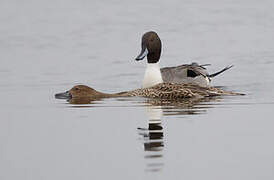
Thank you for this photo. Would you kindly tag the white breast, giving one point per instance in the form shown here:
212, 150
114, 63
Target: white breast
152, 75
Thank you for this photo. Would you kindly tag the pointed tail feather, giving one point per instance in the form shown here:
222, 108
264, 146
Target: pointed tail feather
219, 72
203, 65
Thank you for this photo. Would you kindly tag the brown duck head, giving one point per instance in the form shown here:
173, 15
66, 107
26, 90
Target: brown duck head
151, 47
80, 91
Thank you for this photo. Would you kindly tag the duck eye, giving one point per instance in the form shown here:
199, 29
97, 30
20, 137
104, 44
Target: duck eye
77, 89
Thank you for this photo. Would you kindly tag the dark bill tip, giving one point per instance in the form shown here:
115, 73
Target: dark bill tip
142, 55
138, 58
64, 95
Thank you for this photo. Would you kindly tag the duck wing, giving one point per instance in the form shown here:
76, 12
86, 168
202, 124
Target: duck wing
180, 73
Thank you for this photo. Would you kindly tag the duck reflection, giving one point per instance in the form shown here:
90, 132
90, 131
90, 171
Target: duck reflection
153, 138
83, 100
153, 134
190, 106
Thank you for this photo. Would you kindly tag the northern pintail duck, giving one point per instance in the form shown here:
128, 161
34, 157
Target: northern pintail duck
186, 73
169, 91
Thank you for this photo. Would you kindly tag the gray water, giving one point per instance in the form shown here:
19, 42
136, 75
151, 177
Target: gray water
47, 47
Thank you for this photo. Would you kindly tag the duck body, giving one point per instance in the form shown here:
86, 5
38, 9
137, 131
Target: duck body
167, 91
175, 91
186, 73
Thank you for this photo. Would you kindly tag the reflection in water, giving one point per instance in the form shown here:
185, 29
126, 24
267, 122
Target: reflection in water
186, 106
153, 135
83, 100
153, 139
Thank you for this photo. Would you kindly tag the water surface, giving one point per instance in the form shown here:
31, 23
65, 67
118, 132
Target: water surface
46, 47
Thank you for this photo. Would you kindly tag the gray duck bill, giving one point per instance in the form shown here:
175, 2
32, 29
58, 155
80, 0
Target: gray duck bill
142, 55
64, 95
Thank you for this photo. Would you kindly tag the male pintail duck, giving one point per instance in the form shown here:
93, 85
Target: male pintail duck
186, 73
169, 91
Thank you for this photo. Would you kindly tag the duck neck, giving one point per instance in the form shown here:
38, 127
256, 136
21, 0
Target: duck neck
119, 94
153, 75
97, 94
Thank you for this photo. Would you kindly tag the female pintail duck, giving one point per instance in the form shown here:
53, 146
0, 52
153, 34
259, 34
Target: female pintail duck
169, 91
186, 73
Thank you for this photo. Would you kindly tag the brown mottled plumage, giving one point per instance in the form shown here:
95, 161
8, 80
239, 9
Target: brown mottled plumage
179, 91
170, 91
